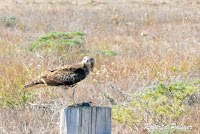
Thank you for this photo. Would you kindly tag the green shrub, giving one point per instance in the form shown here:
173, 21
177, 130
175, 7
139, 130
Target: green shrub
58, 40
160, 104
109, 52
8, 21
105, 52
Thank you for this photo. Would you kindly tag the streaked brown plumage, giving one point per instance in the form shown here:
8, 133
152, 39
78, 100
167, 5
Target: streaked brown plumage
65, 76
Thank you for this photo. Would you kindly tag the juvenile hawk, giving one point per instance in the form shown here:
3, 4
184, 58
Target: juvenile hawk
65, 77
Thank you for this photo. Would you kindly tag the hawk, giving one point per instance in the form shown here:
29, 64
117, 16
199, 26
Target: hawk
64, 77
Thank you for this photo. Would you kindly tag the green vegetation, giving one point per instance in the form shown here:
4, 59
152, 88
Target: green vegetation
14, 98
8, 21
161, 104
109, 52
106, 52
103, 50
59, 40
135, 44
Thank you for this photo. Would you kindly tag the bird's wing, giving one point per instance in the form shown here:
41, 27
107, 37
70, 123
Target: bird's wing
61, 74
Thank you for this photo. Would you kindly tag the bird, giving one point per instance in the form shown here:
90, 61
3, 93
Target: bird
65, 77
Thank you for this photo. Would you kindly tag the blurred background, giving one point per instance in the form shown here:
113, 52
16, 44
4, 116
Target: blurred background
147, 56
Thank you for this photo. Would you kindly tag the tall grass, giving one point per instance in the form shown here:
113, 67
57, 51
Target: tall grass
136, 44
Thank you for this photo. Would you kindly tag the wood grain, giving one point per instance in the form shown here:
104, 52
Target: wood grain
86, 120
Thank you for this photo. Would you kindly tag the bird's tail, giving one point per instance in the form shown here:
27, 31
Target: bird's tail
35, 83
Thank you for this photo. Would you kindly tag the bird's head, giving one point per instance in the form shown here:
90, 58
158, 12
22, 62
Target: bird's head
89, 62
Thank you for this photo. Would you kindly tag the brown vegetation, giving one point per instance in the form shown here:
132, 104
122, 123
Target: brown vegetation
154, 41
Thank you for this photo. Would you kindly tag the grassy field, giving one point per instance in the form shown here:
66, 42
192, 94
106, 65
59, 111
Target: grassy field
137, 44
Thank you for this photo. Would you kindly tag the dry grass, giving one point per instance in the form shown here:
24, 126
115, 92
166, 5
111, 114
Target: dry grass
155, 41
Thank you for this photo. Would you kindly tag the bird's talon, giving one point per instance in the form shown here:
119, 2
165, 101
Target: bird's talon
81, 104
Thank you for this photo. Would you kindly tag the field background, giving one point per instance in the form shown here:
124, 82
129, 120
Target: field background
136, 44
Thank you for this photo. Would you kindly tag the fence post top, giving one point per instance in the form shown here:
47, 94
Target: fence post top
89, 107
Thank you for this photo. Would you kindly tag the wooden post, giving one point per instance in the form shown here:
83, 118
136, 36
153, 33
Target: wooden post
86, 120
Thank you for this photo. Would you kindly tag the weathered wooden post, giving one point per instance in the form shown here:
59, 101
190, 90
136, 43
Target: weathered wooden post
86, 120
